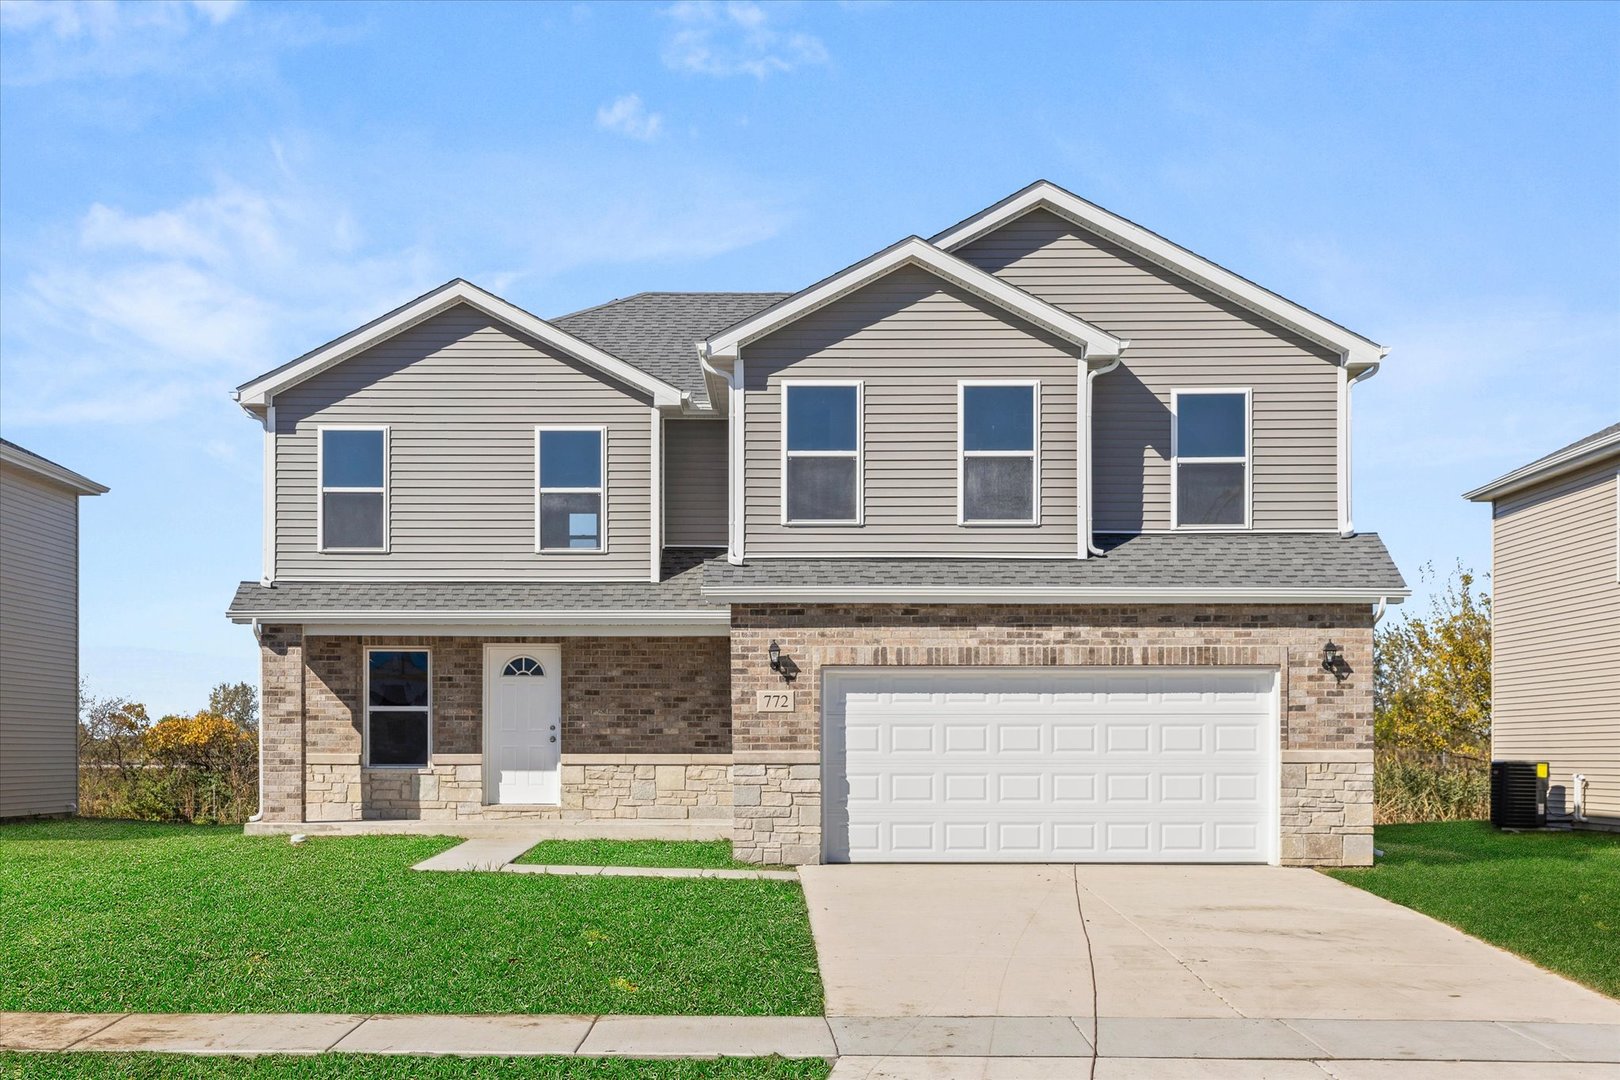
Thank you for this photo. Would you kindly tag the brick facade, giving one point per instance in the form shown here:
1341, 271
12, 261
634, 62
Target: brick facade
634, 710
666, 727
1326, 724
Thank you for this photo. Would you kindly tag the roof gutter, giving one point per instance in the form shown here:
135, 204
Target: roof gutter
1038, 594
503, 618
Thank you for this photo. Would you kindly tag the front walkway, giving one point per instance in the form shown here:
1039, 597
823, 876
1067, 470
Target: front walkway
1171, 944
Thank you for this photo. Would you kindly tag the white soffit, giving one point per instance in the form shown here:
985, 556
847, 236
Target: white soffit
1355, 350
1097, 344
257, 393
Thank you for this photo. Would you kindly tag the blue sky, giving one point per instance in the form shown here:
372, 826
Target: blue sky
192, 193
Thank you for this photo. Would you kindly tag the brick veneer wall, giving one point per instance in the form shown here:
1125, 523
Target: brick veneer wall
648, 697
1324, 721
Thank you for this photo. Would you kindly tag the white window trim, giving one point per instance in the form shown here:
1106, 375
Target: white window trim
1247, 460
601, 525
962, 454
321, 489
859, 453
365, 689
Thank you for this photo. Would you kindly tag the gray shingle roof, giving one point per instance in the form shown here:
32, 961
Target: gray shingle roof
658, 331
1577, 454
1211, 565
679, 591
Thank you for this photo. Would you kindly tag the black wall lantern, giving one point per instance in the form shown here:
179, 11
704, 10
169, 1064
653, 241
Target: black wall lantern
1334, 663
782, 665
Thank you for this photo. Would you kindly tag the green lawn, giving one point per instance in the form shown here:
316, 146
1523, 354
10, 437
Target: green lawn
1553, 898
701, 854
103, 916
95, 1066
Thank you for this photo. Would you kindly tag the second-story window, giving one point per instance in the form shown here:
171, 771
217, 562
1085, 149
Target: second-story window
353, 513
571, 489
821, 453
998, 477
1210, 459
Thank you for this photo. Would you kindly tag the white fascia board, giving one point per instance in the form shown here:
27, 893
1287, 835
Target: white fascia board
1356, 352
1028, 594
257, 394
1576, 457
401, 618
525, 629
1097, 344
50, 470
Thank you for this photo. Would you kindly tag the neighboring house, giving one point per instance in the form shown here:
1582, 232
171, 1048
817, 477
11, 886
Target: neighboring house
1555, 621
39, 633
1029, 542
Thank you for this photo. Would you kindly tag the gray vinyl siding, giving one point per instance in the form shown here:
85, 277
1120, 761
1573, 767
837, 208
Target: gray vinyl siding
909, 336
1556, 631
462, 395
39, 645
695, 462
1180, 336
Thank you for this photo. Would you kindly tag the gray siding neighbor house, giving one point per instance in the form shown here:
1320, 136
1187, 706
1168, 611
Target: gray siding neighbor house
39, 633
1555, 622
1031, 541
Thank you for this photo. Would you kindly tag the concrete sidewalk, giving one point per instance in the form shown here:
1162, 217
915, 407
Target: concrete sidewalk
886, 1046
496, 853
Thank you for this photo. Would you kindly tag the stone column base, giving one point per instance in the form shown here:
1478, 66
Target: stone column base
1327, 807
776, 807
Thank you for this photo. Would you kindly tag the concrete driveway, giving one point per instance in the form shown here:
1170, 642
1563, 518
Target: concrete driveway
939, 972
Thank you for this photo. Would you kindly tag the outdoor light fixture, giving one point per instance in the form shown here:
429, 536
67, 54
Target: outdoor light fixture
782, 665
1333, 661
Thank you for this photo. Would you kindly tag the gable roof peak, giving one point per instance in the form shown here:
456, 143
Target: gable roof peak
1356, 352
256, 394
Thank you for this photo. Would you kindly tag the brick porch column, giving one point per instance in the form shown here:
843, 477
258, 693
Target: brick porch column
281, 723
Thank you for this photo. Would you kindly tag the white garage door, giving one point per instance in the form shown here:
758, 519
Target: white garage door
1050, 765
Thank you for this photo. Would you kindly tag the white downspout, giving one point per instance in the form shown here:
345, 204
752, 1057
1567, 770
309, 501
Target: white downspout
1348, 526
1378, 611
1091, 465
1577, 797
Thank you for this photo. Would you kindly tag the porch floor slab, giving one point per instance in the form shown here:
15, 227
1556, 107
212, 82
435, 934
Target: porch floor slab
586, 829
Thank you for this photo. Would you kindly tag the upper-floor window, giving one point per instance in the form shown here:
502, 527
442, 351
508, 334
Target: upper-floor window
998, 430
571, 489
353, 466
821, 453
1209, 448
399, 694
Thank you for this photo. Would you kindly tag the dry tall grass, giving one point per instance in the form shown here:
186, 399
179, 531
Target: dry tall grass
1413, 785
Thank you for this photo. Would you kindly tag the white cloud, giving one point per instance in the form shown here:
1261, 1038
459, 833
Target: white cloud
627, 115
103, 19
736, 38
140, 316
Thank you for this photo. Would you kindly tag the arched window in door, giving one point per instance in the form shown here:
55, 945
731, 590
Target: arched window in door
523, 665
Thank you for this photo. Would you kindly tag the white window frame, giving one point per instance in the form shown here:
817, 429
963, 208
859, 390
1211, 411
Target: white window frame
859, 453
962, 454
321, 489
602, 525
1247, 460
365, 690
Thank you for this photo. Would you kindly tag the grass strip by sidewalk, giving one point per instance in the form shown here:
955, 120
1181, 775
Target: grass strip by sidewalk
688, 854
116, 917
1551, 897
101, 1066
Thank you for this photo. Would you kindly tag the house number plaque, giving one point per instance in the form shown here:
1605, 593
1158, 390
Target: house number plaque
773, 700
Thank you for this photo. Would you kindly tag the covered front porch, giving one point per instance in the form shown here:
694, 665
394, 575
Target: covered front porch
477, 728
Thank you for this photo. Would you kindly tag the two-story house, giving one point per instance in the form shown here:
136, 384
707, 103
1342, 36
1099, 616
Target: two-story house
1028, 542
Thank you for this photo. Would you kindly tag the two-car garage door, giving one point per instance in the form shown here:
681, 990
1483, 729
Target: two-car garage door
1050, 765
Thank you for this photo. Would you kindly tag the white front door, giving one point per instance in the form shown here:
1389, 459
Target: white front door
523, 724
1050, 765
